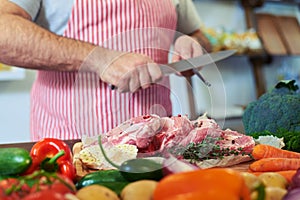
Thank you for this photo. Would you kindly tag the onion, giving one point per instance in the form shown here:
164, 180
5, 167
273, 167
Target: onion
294, 188
172, 165
295, 183
293, 194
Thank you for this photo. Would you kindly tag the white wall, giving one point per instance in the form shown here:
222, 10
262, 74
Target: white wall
14, 109
232, 80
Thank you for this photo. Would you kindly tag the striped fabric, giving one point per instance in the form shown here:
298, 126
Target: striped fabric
67, 105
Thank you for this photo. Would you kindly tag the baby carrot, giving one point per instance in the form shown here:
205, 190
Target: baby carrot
266, 151
287, 174
275, 164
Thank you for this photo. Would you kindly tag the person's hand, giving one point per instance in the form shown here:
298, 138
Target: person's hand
130, 72
186, 47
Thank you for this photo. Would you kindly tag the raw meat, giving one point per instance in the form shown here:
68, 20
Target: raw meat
152, 134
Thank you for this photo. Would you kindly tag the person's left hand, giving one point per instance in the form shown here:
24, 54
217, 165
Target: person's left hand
186, 47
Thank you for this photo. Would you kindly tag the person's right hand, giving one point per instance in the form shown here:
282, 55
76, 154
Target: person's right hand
130, 71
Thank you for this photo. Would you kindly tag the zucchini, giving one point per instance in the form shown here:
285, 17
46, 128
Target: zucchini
14, 161
111, 179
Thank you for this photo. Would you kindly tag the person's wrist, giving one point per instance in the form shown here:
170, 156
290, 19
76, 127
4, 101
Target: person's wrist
204, 42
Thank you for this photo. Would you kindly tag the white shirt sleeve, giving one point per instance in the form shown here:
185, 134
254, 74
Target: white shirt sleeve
30, 6
188, 19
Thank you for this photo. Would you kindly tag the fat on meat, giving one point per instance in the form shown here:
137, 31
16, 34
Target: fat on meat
138, 131
203, 127
151, 133
235, 140
174, 130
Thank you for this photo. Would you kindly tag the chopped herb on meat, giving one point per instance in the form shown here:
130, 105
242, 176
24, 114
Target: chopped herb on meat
207, 150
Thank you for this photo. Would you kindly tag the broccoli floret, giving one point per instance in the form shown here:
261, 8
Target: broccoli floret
278, 109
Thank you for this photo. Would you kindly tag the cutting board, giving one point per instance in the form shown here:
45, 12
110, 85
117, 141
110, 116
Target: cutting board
81, 170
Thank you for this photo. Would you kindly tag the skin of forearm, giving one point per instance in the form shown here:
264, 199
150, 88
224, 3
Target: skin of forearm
202, 39
27, 45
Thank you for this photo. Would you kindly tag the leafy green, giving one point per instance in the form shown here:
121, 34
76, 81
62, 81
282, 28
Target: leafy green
290, 138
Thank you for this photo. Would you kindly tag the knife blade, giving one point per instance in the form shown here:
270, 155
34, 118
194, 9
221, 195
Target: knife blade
195, 62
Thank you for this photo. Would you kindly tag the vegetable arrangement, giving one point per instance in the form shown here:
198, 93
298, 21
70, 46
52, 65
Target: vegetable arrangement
45, 172
39, 174
277, 168
272, 159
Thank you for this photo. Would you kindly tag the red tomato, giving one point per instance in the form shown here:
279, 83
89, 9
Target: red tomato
9, 183
55, 185
45, 195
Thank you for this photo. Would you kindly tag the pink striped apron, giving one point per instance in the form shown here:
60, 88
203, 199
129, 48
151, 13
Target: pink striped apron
67, 105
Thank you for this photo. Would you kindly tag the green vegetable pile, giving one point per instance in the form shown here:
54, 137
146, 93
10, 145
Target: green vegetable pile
277, 113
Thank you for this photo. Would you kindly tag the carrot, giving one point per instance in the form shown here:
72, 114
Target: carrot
275, 164
266, 151
288, 174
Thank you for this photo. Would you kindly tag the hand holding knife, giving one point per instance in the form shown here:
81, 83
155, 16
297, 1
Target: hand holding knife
193, 64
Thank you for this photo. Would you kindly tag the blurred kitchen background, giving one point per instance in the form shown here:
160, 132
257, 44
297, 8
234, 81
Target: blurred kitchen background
235, 81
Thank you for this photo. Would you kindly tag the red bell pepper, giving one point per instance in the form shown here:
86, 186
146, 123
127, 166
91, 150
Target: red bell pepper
52, 155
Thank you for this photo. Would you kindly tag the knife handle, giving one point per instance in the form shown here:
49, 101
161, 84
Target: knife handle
201, 77
112, 87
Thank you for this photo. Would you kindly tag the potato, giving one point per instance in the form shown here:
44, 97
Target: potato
254, 195
70, 196
273, 179
96, 192
275, 193
139, 190
251, 180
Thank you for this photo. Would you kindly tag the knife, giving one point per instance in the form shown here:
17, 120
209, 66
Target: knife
195, 62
